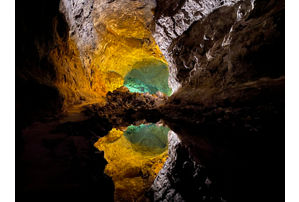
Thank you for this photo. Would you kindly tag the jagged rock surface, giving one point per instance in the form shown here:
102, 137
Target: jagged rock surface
53, 165
50, 75
123, 107
78, 14
228, 56
233, 45
172, 19
182, 178
229, 111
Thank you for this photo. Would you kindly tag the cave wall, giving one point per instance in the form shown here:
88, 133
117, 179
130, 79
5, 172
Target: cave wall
50, 75
52, 162
70, 52
79, 17
213, 39
182, 178
112, 38
35, 75
172, 19
73, 52
124, 40
235, 49
226, 65
227, 69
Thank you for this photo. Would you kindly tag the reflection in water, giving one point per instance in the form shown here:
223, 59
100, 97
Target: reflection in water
134, 157
147, 138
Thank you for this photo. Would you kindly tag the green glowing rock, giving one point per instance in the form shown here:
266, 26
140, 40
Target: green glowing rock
148, 77
148, 137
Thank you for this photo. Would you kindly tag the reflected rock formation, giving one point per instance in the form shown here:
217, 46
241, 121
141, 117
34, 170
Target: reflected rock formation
96, 79
134, 157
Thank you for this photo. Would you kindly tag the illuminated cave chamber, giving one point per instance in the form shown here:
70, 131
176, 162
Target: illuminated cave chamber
126, 53
134, 157
148, 77
227, 58
116, 47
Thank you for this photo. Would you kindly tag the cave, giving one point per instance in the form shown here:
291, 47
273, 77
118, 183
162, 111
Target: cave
148, 77
150, 100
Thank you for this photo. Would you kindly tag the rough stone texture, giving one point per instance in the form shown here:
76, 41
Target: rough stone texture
236, 134
229, 112
162, 183
123, 107
60, 165
124, 40
36, 96
50, 75
228, 56
182, 178
173, 18
236, 47
78, 14
111, 36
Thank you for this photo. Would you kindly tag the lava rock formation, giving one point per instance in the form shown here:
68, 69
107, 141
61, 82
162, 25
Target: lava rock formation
226, 112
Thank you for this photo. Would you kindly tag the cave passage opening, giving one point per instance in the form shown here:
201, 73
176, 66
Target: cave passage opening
148, 76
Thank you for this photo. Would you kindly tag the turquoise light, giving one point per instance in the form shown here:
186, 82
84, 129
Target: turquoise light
150, 136
148, 77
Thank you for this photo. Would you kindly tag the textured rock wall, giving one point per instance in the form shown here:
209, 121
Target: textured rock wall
54, 163
50, 74
79, 50
238, 47
78, 14
172, 19
73, 79
227, 56
135, 107
229, 110
111, 36
203, 36
36, 94
124, 40
182, 178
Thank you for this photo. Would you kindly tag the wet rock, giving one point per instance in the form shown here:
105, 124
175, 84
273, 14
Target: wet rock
124, 108
176, 181
227, 68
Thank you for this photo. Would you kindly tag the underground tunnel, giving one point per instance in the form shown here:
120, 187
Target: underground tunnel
151, 78
150, 100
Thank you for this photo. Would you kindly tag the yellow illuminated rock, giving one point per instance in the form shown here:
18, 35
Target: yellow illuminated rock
124, 40
73, 80
132, 171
